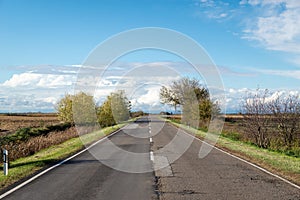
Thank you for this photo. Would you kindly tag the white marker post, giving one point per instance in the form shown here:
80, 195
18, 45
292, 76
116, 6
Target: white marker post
5, 162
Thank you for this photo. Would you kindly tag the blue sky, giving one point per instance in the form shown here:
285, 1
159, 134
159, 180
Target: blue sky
253, 42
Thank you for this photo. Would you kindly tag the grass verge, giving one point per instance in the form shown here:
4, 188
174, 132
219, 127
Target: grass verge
275, 162
24, 167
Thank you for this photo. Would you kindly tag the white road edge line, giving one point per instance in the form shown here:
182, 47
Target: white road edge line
151, 156
55, 166
245, 161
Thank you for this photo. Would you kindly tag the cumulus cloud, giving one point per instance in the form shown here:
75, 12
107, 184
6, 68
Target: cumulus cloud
151, 97
40, 88
146, 98
35, 91
37, 88
237, 96
39, 80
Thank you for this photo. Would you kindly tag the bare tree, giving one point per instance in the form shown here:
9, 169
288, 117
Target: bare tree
167, 96
286, 111
256, 118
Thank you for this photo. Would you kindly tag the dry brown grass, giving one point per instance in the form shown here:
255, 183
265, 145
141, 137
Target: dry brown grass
35, 144
11, 123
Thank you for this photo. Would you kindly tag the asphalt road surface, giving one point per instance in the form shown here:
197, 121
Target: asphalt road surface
85, 178
217, 176
180, 174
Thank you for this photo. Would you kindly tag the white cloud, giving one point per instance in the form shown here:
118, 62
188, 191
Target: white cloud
28, 91
288, 3
274, 96
243, 2
276, 26
270, 96
222, 15
235, 97
237, 91
51, 100
217, 10
147, 99
151, 97
286, 73
30, 79
39, 88
25, 79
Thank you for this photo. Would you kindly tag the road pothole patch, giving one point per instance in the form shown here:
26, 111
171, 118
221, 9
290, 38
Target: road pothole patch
162, 166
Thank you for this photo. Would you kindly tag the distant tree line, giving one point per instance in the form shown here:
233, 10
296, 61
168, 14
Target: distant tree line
272, 122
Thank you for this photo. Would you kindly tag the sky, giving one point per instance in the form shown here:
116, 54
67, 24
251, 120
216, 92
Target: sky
43, 45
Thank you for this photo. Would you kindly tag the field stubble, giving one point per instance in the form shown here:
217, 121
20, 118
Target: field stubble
11, 123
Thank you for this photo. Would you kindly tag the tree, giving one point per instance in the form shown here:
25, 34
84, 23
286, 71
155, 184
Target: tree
79, 108
105, 114
115, 109
187, 89
271, 119
207, 109
84, 109
167, 96
191, 96
64, 108
256, 117
120, 106
286, 111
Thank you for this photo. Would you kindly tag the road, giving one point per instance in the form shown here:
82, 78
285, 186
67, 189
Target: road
129, 176
84, 177
217, 176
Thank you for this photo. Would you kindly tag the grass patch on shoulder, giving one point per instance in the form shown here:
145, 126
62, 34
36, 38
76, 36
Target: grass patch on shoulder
27, 166
276, 162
